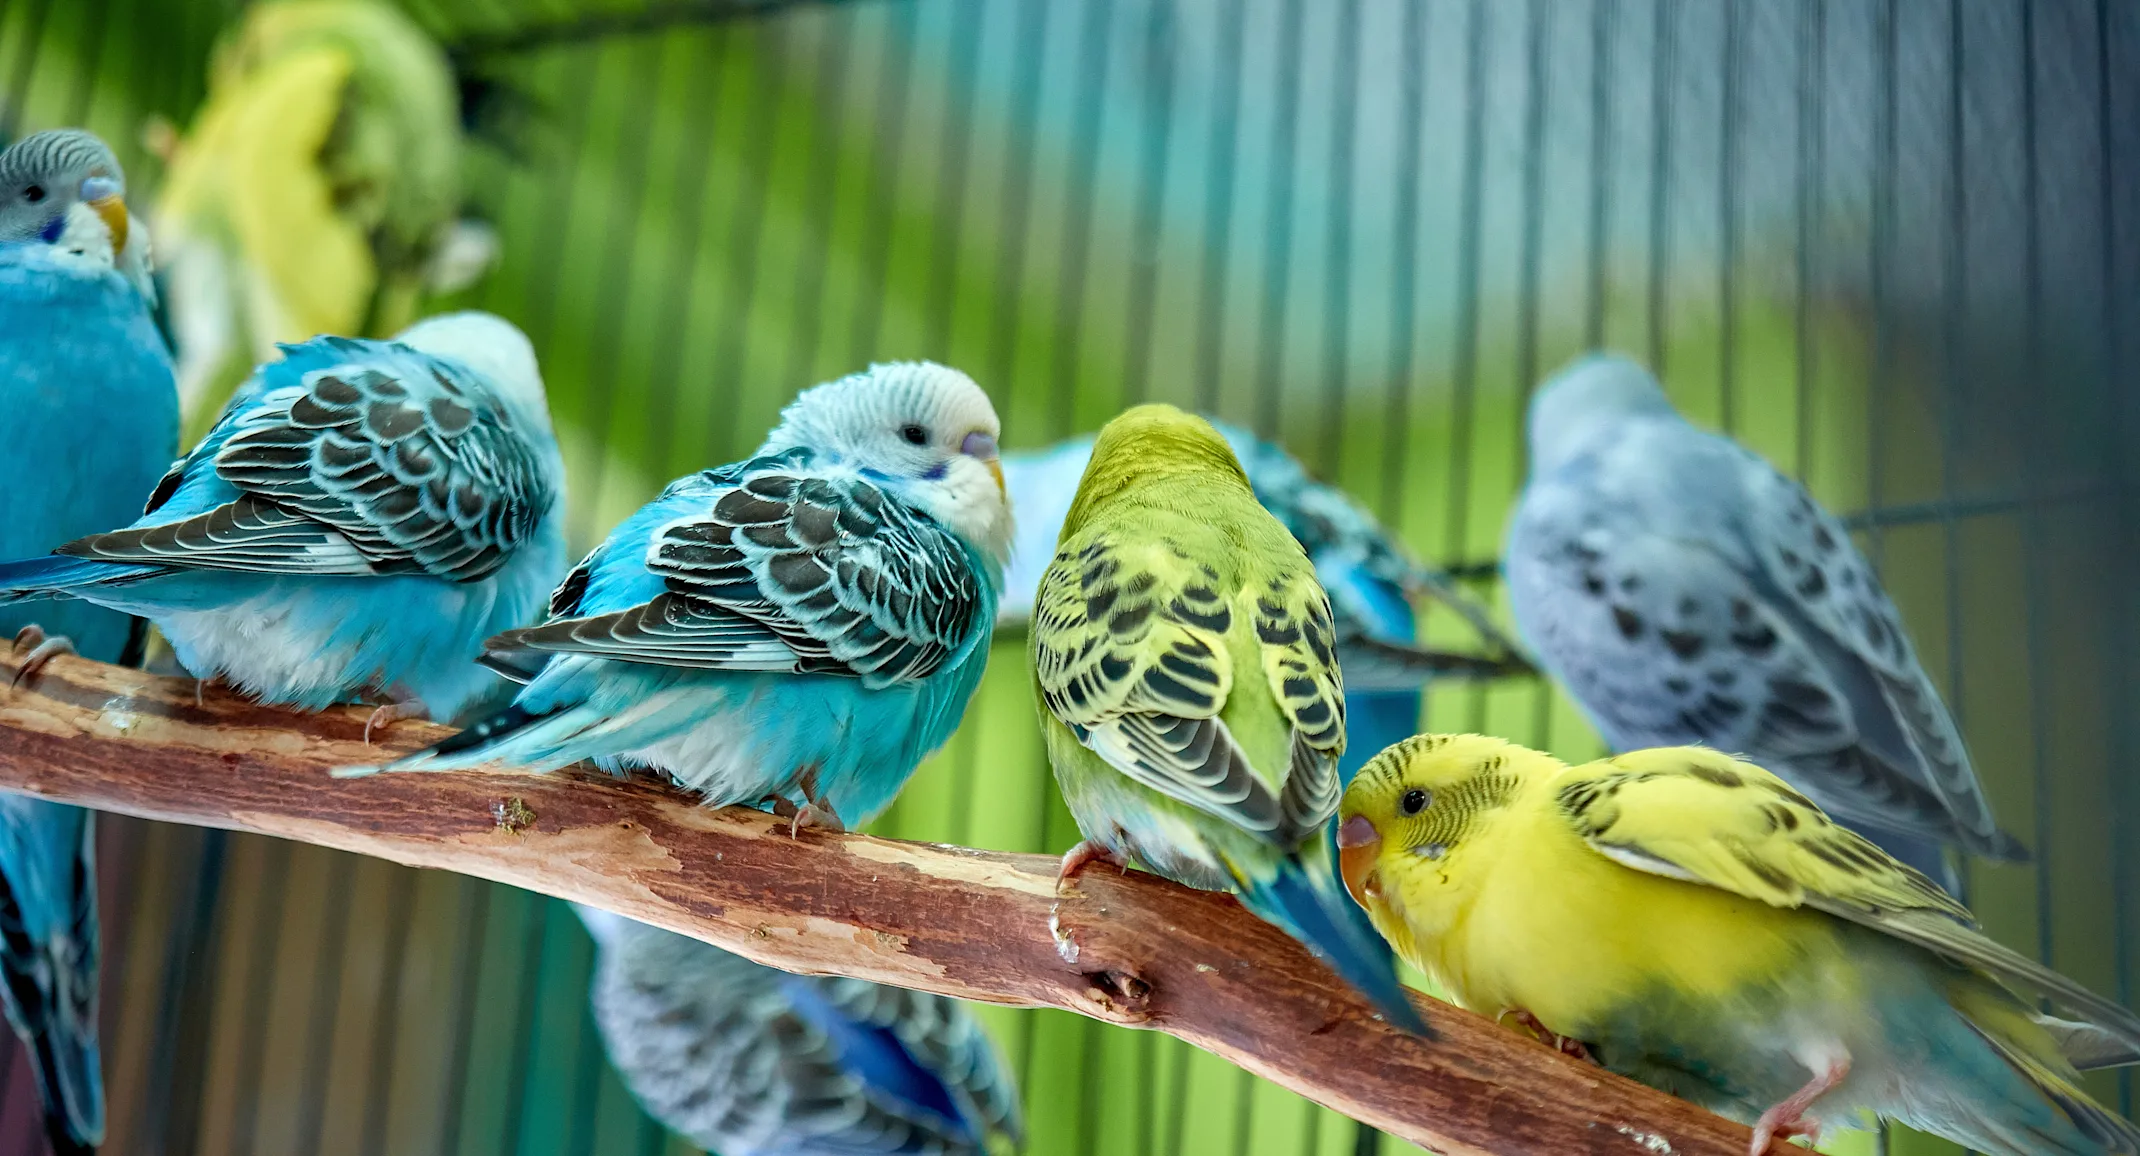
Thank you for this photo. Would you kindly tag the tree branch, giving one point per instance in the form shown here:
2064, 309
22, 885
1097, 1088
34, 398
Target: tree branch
1132, 950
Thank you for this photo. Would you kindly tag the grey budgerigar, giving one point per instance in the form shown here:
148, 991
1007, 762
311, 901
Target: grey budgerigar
747, 1060
1685, 591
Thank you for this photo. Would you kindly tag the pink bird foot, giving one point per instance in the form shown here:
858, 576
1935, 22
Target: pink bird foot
403, 706
814, 812
43, 649
1788, 1119
1084, 855
1566, 1045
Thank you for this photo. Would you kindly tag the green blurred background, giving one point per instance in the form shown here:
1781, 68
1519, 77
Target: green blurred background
1889, 244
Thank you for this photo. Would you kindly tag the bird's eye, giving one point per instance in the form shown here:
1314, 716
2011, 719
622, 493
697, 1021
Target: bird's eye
1414, 801
915, 435
34, 193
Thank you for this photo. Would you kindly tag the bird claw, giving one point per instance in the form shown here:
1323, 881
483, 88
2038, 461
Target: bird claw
1768, 1132
1565, 1045
1788, 1119
1084, 855
814, 814
392, 713
43, 649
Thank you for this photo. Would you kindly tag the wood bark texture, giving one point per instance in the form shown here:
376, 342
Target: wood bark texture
1127, 949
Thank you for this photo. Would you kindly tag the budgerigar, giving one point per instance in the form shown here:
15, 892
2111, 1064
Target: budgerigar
92, 415
313, 189
1688, 919
1685, 591
797, 630
1371, 577
745, 1060
362, 517
1189, 691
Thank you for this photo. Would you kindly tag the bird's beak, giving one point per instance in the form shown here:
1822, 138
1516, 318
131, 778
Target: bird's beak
102, 195
1359, 848
982, 446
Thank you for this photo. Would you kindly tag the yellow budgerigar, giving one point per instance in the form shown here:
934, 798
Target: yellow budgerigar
1688, 919
1190, 696
313, 190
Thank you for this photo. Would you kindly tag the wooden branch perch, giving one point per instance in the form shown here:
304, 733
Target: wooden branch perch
1131, 950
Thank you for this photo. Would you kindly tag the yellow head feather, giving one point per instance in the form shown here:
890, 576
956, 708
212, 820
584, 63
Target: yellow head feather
1421, 798
1147, 444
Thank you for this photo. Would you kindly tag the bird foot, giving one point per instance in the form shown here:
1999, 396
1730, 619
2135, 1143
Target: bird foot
1084, 855
43, 649
815, 815
392, 713
1567, 1046
810, 814
1787, 1120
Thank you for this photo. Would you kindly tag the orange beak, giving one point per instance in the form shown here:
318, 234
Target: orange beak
995, 470
1359, 849
113, 211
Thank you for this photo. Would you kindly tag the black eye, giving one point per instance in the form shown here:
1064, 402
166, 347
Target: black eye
914, 434
1414, 801
34, 193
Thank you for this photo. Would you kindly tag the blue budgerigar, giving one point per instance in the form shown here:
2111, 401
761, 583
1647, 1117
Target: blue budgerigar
746, 1060
797, 630
1686, 592
361, 518
92, 413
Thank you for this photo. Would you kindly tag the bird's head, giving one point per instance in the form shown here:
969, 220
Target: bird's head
1587, 400
1411, 809
65, 188
924, 429
1151, 444
493, 347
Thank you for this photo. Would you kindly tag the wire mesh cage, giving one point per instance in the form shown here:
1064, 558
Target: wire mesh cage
1889, 245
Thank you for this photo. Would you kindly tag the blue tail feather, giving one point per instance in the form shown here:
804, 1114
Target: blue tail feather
1304, 899
57, 574
468, 747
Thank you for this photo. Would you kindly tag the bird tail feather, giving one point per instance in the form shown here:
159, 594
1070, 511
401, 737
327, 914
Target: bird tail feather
50, 999
72, 1088
56, 574
1305, 899
472, 747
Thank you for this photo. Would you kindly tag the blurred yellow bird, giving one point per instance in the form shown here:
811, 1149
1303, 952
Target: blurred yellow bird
1689, 920
313, 189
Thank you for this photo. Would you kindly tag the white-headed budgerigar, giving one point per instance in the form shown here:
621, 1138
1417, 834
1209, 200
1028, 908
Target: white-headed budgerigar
1690, 920
361, 518
1686, 592
797, 630
1190, 697
92, 414
313, 189
746, 1060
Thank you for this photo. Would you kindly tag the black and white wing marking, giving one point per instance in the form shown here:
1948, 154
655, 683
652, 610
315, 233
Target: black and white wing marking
791, 572
1814, 574
1666, 641
386, 466
1130, 651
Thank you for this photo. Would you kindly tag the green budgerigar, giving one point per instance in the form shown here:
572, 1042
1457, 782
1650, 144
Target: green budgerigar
1189, 692
316, 190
